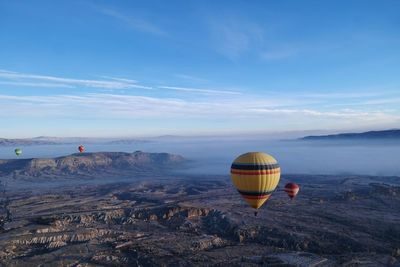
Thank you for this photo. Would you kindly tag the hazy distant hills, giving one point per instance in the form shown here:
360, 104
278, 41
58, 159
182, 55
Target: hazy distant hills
48, 140
24, 142
89, 163
371, 135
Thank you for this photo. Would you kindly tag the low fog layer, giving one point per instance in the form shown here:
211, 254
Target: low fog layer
214, 155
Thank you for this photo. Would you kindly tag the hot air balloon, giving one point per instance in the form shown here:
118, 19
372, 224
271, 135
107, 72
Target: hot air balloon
255, 175
18, 151
291, 189
81, 148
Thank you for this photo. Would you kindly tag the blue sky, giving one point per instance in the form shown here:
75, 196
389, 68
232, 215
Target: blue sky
138, 68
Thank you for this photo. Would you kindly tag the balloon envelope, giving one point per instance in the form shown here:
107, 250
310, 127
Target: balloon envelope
18, 151
255, 175
292, 189
81, 148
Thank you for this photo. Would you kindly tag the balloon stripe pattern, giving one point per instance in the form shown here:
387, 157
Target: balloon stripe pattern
255, 175
291, 189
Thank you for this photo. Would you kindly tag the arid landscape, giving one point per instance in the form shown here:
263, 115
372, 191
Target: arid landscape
160, 218
199, 133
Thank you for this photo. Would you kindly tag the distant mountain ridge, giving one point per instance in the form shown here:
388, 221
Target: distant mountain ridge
25, 142
89, 163
47, 140
371, 135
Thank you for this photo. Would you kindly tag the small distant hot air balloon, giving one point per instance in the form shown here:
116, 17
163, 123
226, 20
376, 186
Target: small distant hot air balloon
18, 151
292, 189
255, 176
81, 148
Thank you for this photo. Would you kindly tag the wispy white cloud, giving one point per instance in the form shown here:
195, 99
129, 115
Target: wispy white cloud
189, 77
359, 99
113, 83
24, 79
342, 95
131, 21
202, 91
235, 36
344, 113
111, 106
275, 109
37, 84
382, 101
120, 79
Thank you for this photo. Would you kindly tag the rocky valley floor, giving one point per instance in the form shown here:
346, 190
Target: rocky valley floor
202, 221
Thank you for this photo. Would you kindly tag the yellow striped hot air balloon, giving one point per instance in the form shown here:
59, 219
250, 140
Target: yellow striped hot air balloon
255, 175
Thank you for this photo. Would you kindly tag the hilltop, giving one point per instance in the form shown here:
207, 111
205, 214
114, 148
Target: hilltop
88, 164
371, 135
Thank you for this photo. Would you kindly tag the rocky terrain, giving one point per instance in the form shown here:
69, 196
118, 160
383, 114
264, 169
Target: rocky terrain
202, 221
87, 164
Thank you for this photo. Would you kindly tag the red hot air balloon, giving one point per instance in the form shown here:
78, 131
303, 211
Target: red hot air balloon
291, 189
81, 148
